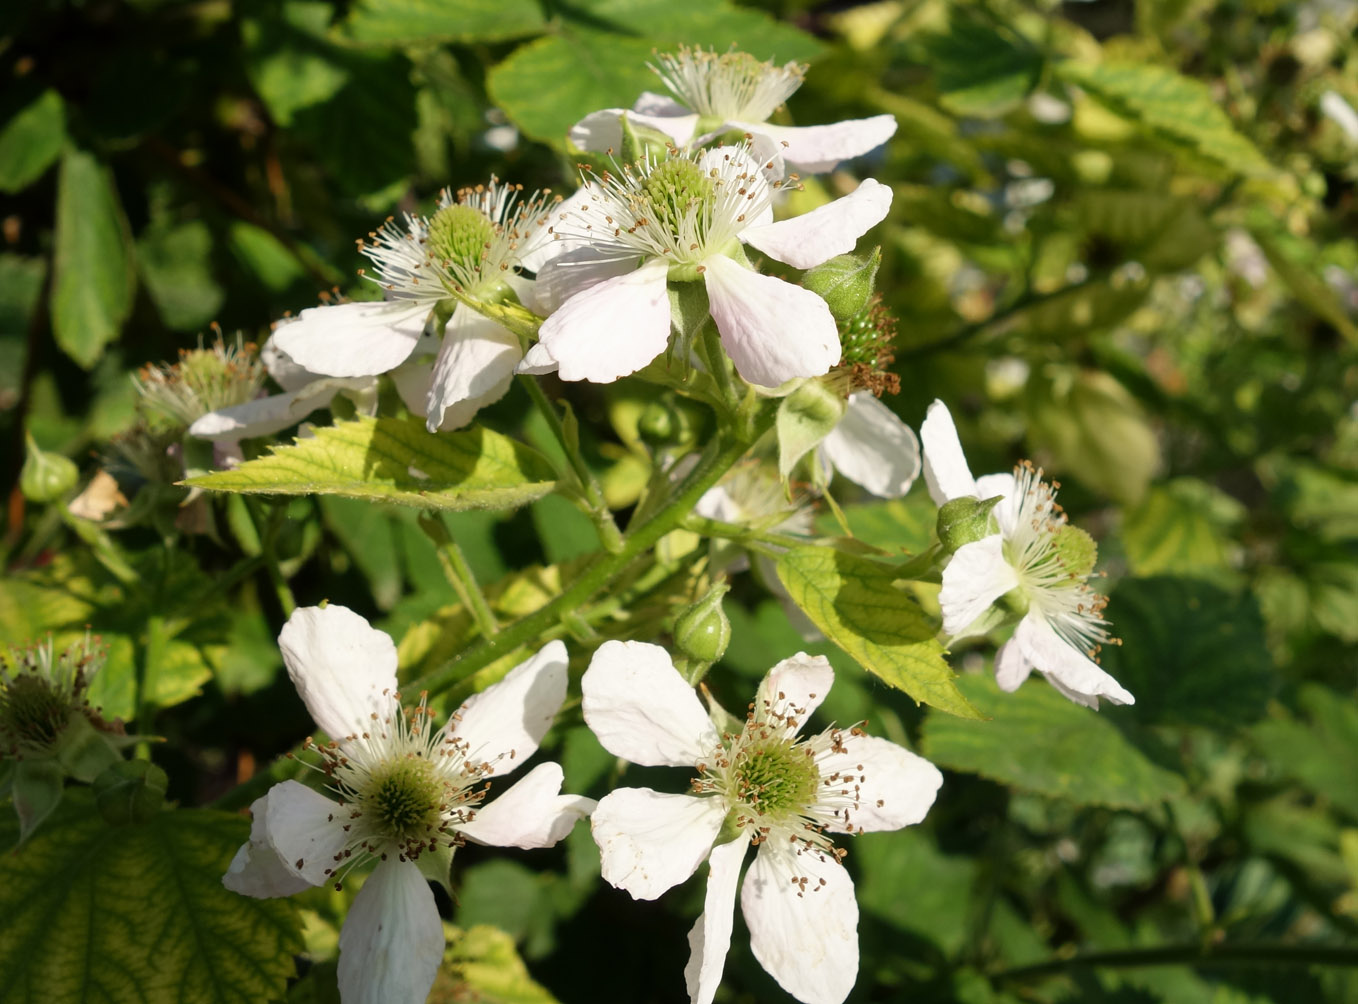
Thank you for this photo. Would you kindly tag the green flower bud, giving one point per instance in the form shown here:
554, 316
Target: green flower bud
964, 521
131, 791
45, 476
845, 282
702, 632
658, 422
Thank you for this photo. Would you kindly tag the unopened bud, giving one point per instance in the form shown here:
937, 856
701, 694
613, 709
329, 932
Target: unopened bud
45, 476
845, 282
702, 632
964, 521
131, 791
658, 422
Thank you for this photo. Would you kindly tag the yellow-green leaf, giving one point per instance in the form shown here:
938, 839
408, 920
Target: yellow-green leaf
31, 141
855, 602
390, 460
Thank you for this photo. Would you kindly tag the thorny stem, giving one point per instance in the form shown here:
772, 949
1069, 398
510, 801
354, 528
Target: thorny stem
597, 510
459, 573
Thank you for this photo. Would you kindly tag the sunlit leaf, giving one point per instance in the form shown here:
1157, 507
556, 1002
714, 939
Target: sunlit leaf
407, 22
1181, 527
31, 141
1318, 749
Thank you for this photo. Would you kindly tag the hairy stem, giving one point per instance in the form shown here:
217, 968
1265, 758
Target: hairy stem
459, 573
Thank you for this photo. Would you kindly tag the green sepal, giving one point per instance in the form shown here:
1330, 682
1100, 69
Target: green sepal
36, 790
83, 750
45, 477
966, 520
845, 282
640, 141
805, 417
436, 865
131, 791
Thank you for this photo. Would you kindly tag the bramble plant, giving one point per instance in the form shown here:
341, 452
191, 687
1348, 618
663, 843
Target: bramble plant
341, 651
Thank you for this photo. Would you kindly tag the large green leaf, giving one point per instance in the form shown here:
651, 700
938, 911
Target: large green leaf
389, 460
94, 275
980, 71
289, 60
1192, 652
1163, 231
1039, 741
855, 602
1170, 105
1181, 527
421, 22
176, 264
137, 913
936, 909
598, 58
1319, 750
482, 965
31, 141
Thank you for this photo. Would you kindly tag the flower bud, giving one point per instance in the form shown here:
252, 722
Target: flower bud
131, 791
964, 521
45, 476
844, 282
702, 632
658, 422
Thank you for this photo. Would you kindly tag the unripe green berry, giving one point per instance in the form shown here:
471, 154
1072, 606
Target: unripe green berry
46, 477
658, 422
1077, 550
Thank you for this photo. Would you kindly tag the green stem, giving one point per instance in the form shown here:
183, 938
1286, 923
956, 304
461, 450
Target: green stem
459, 573
721, 454
717, 364
1194, 955
597, 507
268, 534
745, 535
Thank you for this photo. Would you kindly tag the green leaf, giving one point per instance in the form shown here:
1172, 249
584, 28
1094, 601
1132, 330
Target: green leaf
1317, 750
905, 525
936, 909
485, 967
430, 22
176, 263
390, 460
855, 602
264, 255
1182, 528
138, 914
1041, 742
94, 273
1294, 261
1172, 106
1163, 232
1095, 429
31, 141
598, 59
290, 62
981, 72
1192, 652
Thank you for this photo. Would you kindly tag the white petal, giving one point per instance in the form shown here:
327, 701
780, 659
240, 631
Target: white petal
641, 709
651, 103
1070, 670
257, 869
894, 787
342, 667
266, 415
545, 242
804, 935
602, 131
710, 938
793, 689
391, 944
872, 447
976, 577
945, 465
1006, 511
412, 383
504, 723
772, 330
613, 328
815, 237
537, 361
281, 366
354, 339
475, 367
305, 829
1011, 668
717, 503
530, 813
650, 842
576, 271
814, 149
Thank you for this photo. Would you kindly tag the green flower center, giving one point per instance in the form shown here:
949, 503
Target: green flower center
674, 189
774, 777
403, 798
1076, 549
459, 236
32, 711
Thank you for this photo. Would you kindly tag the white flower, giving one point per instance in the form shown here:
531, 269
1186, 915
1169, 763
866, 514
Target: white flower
684, 218
733, 91
476, 244
872, 447
407, 794
1063, 627
303, 393
763, 786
